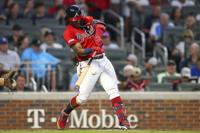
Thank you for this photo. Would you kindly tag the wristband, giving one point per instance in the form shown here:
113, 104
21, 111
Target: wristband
87, 51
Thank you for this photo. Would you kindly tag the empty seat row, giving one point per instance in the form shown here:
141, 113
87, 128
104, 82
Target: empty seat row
167, 87
187, 10
173, 35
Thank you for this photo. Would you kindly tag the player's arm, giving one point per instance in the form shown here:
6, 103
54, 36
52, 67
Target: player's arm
75, 44
81, 51
99, 30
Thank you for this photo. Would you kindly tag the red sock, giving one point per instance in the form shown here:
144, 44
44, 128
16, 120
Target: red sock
71, 105
73, 102
116, 100
119, 109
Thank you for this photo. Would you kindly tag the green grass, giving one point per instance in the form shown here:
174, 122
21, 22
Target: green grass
92, 131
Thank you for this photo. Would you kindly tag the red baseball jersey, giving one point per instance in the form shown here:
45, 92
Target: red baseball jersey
73, 35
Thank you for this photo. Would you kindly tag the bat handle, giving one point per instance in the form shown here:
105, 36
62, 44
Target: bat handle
78, 82
93, 55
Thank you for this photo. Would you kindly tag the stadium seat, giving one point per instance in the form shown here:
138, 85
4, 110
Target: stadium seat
191, 10
158, 70
58, 29
146, 77
31, 30
172, 36
49, 22
167, 9
21, 2
2, 22
64, 54
23, 22
164, 87
147, 10
5, 30
115, 54
118, 65
196, 33
152, 79
171, 79
63, 77
47, 3
189, 87
98, 87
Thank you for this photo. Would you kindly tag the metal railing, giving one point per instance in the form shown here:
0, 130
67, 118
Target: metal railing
120, 30
45, 83
161, 52
142, 46
40, 76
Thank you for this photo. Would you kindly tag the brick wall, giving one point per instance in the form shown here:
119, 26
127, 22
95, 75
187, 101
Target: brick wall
152, 113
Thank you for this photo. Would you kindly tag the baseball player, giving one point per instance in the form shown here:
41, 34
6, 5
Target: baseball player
83, 35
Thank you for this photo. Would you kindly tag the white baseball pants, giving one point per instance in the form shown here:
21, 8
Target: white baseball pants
103, 70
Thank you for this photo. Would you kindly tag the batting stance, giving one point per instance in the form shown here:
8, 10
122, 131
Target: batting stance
83, 35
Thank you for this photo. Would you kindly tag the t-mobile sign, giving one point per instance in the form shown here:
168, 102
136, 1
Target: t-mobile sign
82, 119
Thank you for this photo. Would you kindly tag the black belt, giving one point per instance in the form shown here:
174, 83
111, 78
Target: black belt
96, 57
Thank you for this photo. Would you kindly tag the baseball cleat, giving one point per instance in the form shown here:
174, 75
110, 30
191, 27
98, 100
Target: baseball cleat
121, 113
124, 125
62, 120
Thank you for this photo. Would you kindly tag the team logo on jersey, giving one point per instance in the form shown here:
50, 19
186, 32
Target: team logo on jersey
88, 33
80, 37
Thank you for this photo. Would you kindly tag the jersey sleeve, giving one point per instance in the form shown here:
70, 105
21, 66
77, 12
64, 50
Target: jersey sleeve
70, 38
100, 29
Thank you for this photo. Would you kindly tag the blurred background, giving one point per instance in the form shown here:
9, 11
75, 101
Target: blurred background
153, 44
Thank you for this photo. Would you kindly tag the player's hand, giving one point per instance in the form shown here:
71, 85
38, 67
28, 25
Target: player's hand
87, 20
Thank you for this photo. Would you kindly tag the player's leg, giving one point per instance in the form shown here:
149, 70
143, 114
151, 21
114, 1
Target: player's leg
84, 91
109, 76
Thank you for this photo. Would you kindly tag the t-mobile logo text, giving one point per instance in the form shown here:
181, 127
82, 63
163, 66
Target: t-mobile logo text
36, 116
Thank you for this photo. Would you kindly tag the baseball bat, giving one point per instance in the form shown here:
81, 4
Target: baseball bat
84, 72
